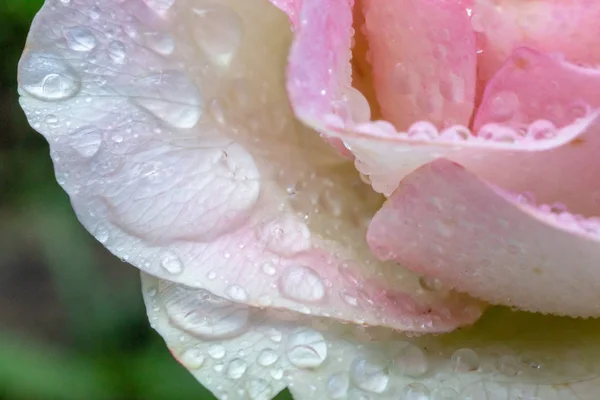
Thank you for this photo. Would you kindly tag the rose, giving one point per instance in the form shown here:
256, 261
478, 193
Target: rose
170, 130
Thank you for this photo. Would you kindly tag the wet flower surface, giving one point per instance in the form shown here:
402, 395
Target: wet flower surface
306, 185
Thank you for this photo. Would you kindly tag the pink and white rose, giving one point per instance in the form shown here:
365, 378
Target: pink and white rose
311, 187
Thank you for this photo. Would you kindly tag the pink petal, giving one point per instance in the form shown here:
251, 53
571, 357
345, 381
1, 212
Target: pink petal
444, 222
171, 132
552, 26
423, 56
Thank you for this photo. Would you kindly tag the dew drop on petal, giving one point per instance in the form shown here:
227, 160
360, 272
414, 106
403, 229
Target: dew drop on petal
301, 283
337, 385
236, 368
444, 393
410, 360
204, 315
369, 376
171, 263
160, 42
48, 78
117, 52
86, 141
307, 349
416, 391
192, 358
236, 293
465, 360
259, 389
216, 351
80, 38
267, 357
218, 31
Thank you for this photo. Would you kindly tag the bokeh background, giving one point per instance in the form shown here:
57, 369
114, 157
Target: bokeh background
72, 321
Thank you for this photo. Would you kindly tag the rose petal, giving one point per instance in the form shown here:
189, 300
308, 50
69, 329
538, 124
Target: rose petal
552, 26
506, 355
172, 135
483, 242
423, 56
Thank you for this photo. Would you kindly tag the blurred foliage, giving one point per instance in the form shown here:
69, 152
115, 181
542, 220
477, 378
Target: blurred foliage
73, 325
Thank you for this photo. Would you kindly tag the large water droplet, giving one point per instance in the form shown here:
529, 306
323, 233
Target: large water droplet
259, 389
236, 368
369, 376
337, 385
218, 31
86, 141
416, 391
170, 96
285, 235
171, 263
203, 314
47, 77
80, 38
267, 357
307, 349
409, 360
301, 283
216, 351
465, 360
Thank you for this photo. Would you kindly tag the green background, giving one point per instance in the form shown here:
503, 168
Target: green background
72, 321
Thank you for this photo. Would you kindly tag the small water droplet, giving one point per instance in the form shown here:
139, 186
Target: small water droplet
422, 130
268, 357
285, 236
161, 42
102, 234
192, 358
430, 284
465, 360
504, 105
259, 389
338, 385
218, 31
86, 141
236, 368
509, 365
307, 349
416, 391
216, 351
268, 268
80, 38
48, 78
171, 263
410, 360
369, 376
276, 373
236, 293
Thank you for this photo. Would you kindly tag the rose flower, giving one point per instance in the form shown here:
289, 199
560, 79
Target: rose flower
313, 189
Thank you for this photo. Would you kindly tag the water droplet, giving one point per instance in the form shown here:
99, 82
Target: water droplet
159, 6
203, 314
369, 376
267, 357
268, 268
430, 284
192, 358
236, 368
444, 393
216, 351
410, 360
236, 293
276, 373
416, 391
509, 365
337, 385
358, 106
465, 360
218, 31
307, 349
422, 130
86, 141
171, 263
102, 234
504, 105
117, 52
285, 236
301, 283
161, 42
258, 389
170, 96
80, 38
48, 78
